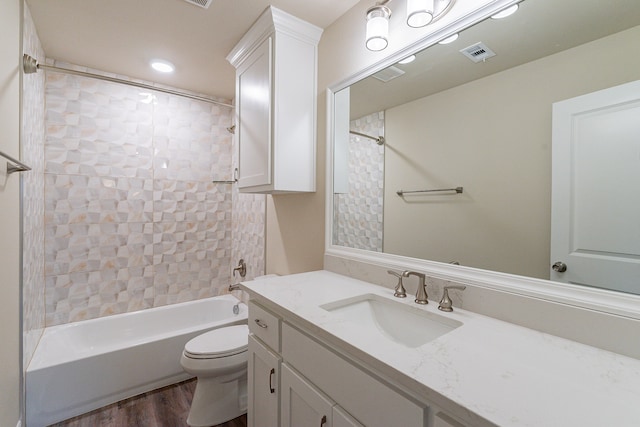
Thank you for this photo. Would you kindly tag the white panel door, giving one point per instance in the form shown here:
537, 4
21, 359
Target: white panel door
302, 404
254, 117
595, 219
264, 385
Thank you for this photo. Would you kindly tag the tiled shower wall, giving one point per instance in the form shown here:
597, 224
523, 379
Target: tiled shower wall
358, 214
133, 220
32, 147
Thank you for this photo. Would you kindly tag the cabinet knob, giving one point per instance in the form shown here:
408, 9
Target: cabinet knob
261, 324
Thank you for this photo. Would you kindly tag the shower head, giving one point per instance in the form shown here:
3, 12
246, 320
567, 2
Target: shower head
232, 129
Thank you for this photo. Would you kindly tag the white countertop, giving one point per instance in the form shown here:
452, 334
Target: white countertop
486, 372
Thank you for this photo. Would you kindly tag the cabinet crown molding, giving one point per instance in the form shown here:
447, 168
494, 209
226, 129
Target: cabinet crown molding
273, 20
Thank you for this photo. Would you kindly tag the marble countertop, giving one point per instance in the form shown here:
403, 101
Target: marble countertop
486, 372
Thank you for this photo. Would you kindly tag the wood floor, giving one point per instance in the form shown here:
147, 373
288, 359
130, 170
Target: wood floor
165, 407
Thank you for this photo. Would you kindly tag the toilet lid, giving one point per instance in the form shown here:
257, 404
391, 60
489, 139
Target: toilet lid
220, 342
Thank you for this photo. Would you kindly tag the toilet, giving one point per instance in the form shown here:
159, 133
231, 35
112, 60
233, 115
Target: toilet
218, 359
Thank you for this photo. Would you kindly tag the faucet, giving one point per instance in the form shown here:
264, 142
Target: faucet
235, 287
421, 293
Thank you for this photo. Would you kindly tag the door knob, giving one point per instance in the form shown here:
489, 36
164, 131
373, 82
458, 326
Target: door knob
559, 267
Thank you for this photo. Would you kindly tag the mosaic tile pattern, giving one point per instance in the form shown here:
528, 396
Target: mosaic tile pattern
32, 148
133, 220
248, 230
358, 215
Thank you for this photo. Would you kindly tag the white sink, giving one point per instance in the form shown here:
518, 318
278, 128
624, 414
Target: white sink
393, 320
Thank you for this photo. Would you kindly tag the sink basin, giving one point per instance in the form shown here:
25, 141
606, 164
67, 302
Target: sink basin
393, 320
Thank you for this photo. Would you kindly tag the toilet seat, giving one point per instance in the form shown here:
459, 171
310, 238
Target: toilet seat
219, 343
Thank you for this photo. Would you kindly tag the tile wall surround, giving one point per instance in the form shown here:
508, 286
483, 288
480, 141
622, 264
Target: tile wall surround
583, 325
358, 214
133, 220
32, 153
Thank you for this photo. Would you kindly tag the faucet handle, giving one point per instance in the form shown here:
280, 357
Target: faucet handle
241, 268
445, 303
399, 290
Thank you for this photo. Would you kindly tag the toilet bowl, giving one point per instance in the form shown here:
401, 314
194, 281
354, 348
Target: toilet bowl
218, 359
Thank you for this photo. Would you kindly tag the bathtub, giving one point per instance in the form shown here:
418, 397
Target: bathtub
82, 366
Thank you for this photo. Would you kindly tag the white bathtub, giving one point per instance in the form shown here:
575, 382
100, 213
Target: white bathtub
82, 366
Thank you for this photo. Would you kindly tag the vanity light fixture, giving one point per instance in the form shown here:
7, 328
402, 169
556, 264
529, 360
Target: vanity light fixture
378, 26
162, 66
419, 13
506, 12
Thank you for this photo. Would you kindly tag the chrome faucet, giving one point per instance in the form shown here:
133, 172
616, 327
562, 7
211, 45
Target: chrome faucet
421, 293
235, 287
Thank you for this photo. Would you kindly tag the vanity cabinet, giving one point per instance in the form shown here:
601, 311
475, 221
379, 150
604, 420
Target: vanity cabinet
276, 80
370, 401
296, 381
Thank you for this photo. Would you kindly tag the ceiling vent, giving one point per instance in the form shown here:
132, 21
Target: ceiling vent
388, 73
478, 52
201, 3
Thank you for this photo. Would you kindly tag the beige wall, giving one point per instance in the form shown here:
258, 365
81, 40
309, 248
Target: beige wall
10, 47
493, 137
295, 223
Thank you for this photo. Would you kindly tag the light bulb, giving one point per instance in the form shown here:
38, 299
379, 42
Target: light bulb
419, 13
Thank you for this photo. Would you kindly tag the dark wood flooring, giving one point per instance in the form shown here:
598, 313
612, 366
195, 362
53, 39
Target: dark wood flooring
165, 407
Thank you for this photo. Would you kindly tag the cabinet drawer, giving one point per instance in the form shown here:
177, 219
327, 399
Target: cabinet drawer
265, 325
370, 401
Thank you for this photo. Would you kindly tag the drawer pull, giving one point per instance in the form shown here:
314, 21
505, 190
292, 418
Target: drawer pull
261, 324
323, 421
271, 389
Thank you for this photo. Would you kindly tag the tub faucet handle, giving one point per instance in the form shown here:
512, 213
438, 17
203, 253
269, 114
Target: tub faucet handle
241, 268
399, 290
445, 303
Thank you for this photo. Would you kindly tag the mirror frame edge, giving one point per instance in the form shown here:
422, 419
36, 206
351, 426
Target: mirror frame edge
595, 299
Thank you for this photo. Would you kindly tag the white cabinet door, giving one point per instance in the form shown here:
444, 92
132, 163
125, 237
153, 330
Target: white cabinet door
443, 420
253, 117
264, 385
342, 419
302, 404
595, 229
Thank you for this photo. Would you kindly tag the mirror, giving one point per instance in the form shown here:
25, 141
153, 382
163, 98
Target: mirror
484, 126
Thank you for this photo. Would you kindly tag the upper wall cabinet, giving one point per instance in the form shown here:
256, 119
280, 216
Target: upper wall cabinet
276, 75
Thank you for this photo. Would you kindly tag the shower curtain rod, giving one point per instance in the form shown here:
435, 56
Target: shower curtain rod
379, 140
30, 65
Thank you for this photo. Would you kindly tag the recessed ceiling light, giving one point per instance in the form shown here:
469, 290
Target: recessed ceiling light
449, 39
162, 66
507, 12
407, 60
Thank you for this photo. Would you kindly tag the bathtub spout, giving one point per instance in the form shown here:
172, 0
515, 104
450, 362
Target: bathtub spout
235, 287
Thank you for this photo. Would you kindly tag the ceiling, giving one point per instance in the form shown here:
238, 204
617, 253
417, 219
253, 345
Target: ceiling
122, 36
